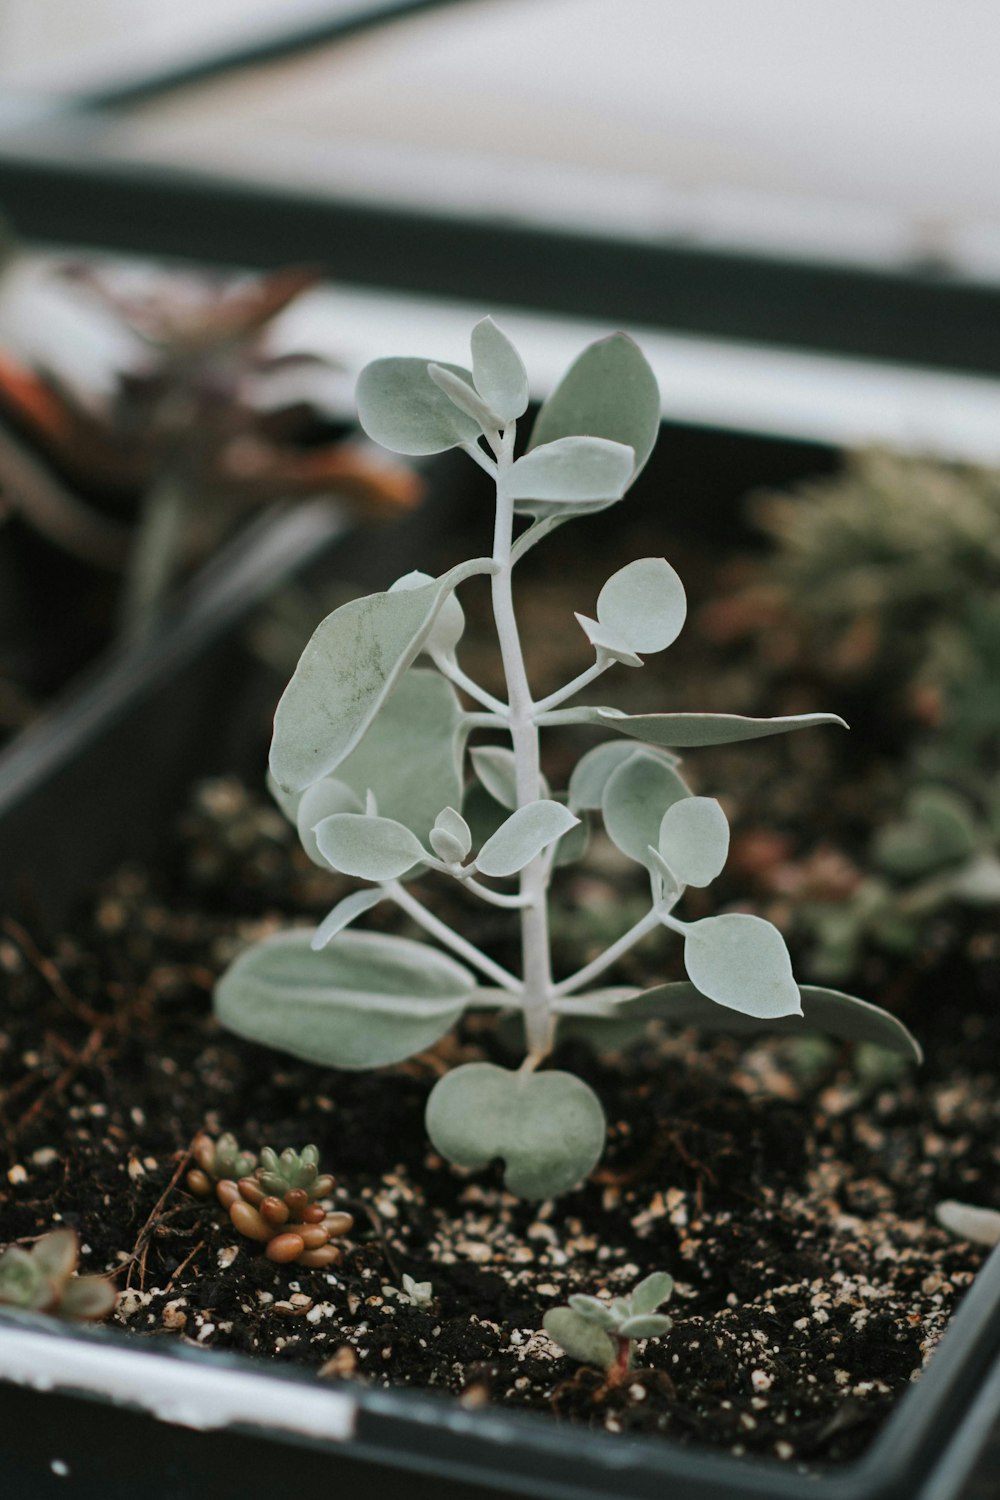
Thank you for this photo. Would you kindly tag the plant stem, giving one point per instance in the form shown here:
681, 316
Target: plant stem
495, 898
450, 939
544, 705
536, 962
610, 955
448, 667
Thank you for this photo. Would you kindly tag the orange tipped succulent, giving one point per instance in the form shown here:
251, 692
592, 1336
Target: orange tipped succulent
275, 1204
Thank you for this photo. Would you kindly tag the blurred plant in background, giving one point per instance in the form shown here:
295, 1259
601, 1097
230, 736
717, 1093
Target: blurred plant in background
886, 581
196, 429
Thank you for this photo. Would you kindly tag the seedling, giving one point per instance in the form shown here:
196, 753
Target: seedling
417, 1293
275, 1204
604, 1333
44, 1279
369, 760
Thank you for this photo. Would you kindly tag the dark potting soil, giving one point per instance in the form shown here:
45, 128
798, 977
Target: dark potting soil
790, 1194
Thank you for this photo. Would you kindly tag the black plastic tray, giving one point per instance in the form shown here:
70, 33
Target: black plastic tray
98, 1414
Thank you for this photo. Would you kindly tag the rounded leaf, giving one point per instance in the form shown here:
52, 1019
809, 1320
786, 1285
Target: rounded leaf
636, 796
498, 371
547, 1127
368, 848
453, 826
610, 391
350, 667
694, 840
410, 755
652, 1292
527, 831
981, 1226
366, 1001
461, 394
644, 1326
608, 641
741, 961
579, 1338
591, 772
400, 407
344, 913
593, 1309
448, 627
643, 604
573, 468
320, 801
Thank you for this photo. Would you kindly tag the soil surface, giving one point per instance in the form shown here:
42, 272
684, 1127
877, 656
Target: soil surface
789, 1190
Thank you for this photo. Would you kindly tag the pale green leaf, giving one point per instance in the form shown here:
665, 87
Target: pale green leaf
410, 756
319, 801
368, 848
547, 1127
497, 770
365, 1001
593, 1310
452, 823
527, 831
610, 392
607, 641
579, 1338
461, 394
680, 1004
573, 845
652, 1292
400, 407
644, 604
636, 795
498, 371
644, 1326
87, 1298
448, 627
694, 840
55, 1255
591, 772
344, 913
572, 468
980, 1226
741, 961
352, 664
683, 731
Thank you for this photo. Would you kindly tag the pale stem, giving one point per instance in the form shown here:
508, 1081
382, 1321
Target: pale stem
611, 955
536, 962
544, 705
448, 667
486, 721
495, 898
482, 459
450, 939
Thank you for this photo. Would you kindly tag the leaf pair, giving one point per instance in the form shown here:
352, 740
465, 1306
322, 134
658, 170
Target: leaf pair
382, 849
592, 436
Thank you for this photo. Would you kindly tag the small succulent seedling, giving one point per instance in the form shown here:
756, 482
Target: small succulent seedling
417, 1293
371, 759
603, 1333
44, 1279
275, 1204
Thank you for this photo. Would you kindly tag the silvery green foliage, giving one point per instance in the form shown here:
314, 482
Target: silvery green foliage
372, 760
595, 1332
43, 1279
